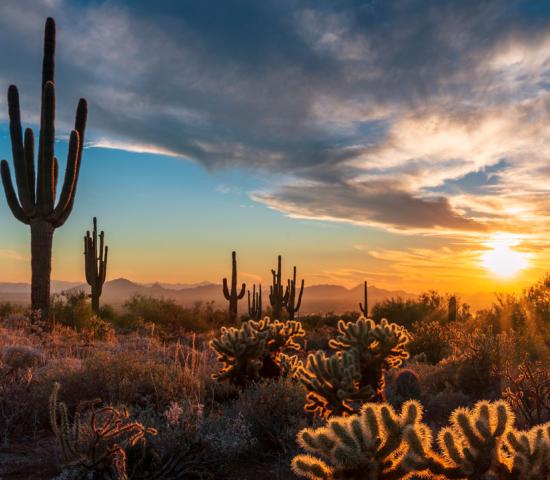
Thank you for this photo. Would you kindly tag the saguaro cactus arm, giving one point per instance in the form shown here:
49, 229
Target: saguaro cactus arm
293, 306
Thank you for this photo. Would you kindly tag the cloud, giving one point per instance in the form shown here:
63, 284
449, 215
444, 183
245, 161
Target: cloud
374, 113
13, 255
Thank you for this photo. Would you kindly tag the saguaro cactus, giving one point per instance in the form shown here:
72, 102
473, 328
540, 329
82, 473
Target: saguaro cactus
95, 261
278, 296
291, 305
34, 202
255, 303
364, 307
231, 295
452, 309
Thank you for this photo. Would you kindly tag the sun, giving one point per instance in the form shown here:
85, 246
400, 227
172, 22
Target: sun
502, 260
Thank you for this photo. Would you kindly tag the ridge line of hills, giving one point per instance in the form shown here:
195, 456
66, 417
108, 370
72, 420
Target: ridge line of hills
317, 298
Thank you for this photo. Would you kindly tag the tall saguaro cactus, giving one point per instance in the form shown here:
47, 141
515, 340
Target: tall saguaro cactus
34, 202
255, 303
231, 295
293, 306
364, 307
95, 261
278, 296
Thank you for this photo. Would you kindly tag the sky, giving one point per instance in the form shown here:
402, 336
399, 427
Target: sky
405, 142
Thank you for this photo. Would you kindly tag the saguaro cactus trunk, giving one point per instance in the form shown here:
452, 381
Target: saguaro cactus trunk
231, 295
255, 303
278, 296
34, 202
364, 307
95, 262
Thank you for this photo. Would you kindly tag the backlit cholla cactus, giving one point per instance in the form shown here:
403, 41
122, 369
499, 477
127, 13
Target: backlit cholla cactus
333, 384
367, 446
255, 350
355, 374
482, 444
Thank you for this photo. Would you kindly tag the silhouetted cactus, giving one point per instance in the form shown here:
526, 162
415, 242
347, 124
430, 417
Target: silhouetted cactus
231, 295
255, 350
34, 202
255, 303
364, 307
339, 384
95, 262
278, 295
366, 446
293, 306
481, 443
452, 310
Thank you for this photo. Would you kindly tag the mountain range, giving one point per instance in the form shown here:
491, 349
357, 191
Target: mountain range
316, 298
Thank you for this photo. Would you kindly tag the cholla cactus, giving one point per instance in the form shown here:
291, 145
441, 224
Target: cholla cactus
254, 350
378, 347
97, 446
240, 350
481, 443
333, 384
369, 445
289, 365
530, 453
339, 384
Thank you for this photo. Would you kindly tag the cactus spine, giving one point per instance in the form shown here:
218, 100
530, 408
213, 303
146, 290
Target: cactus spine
95, 260
34, 202
293, 306
364, 307
231, 295
278, 296
255, 303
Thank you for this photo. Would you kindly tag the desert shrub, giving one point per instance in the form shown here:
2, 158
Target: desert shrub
429, 340
430, 306
275, 412
170, 318
72, 309
355, 373
528, 391
256, 350
407, 385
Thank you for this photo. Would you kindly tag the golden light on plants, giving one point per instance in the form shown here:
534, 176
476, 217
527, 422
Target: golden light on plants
502, 259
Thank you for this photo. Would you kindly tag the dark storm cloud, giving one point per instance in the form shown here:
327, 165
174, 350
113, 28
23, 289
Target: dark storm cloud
292, 87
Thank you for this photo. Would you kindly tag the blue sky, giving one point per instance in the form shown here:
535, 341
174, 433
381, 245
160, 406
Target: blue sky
358, 138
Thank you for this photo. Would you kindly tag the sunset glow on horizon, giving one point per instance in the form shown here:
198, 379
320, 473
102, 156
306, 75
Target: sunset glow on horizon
343, 138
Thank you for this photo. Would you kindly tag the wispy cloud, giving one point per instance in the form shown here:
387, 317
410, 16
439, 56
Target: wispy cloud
374, 113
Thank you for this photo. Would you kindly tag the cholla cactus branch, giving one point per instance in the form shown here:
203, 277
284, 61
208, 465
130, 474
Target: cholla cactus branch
368, 445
